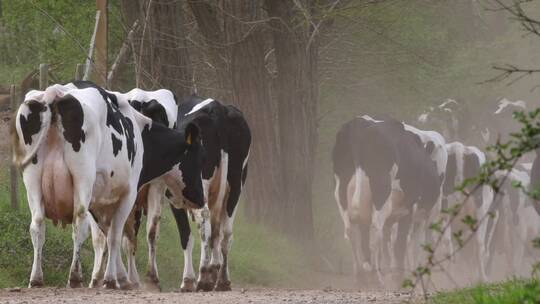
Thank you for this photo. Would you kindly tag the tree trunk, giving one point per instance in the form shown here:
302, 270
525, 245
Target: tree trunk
215, 45
297, 96
251, 91
160, 47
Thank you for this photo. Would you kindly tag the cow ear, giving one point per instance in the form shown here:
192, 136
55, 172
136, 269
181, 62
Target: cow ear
192, 133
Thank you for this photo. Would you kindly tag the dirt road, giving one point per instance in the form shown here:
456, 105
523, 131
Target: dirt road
252, 296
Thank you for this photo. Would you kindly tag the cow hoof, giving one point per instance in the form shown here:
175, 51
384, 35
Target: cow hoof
188, 285
124, 284
35, 283
95, 283
205, 286
135, 285
152, 286
152, 282
214, 270
223, 286
75, 283
109, 284
206, 282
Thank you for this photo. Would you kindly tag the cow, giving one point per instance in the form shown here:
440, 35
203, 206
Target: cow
384, 173
464, 163
445, 118
514, 223
227, 140
185, 181
534, 185
500, 122
83, 152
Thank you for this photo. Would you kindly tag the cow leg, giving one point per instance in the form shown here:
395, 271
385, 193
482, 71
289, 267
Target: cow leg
355, 239
115, 271
131, 230
121, 273
99, 242
404, 225
82, 196
129, 244
186, 240
364, 246
493, 242
32, 182
155, 193
481, 254
204, 281
80, 234
224, 282
376, 242
219, 206
216, 259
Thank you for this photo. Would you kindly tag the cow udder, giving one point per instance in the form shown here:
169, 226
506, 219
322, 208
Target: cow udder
56, 182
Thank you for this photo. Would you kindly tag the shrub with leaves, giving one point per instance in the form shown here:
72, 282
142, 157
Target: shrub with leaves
503, 158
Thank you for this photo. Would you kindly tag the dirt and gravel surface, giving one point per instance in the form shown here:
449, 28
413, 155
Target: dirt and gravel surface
252, 296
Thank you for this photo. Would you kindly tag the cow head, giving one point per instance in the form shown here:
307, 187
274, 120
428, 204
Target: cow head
184, 178
191, 168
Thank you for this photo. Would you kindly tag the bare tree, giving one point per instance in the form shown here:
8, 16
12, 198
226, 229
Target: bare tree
520, 12
296, 94
160, 48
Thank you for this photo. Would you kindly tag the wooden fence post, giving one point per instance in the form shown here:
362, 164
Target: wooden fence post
43, 76
14, 173
79, 73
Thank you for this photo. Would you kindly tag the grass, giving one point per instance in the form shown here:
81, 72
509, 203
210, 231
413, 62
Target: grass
512, 291
259, 255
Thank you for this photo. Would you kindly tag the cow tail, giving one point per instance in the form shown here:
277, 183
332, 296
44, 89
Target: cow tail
23, 154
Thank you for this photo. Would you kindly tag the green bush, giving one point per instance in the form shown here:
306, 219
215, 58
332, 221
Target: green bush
513, 291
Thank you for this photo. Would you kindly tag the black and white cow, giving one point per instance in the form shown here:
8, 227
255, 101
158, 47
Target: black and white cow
515, 222
184, 181
534, 184
447, 118
464, 162
227, 138
84, 152
498, 124
386, 172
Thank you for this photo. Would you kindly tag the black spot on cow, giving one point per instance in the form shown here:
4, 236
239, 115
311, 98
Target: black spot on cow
130, 138
238, 142
137, 105
35, 159
168, 194
430, 146
151, 109
72, 115
112, 173
182, 223
116, 144
31, 124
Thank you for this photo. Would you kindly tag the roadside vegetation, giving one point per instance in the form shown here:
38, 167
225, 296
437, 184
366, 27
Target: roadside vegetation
512, 291
260, 257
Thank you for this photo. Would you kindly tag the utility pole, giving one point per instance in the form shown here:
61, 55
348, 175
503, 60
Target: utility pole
99, 74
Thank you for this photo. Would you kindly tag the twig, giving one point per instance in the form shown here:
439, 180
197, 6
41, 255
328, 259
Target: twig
121, 54
89, 60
